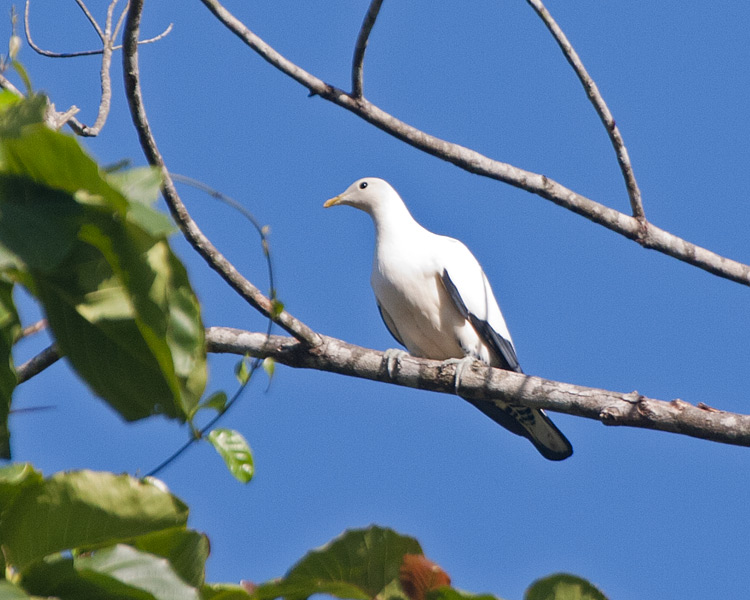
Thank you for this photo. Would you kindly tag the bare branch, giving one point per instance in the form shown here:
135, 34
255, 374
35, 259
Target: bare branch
6, 84
40, 325
53, 118
37, 364
50, 54
485, 383
646, 234
190, 229
89, 16
592, 91
361, 46
480, 382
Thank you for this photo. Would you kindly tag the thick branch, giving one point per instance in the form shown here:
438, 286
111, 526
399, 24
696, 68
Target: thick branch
361, 46
480, 382
647, 235
190, 229
485, 383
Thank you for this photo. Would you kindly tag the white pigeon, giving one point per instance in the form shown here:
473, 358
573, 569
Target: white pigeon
436, 301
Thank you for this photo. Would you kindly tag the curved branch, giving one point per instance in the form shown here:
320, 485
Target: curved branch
592, 91
481, 382
361, 46
646, 234
190, 229
50, 54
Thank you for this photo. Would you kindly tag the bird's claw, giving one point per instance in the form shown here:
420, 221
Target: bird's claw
461, 365
392, 358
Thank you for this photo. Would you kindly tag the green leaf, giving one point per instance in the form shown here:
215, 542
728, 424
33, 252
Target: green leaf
140, 184
84, 509
563, 586
235, 451
269, 366
127, 566
8, 591
37, 224
13, 479
224, 591
16, 113
216, 401
118, 572
449, 593
118, 300
242, 371
359, 564
10, 326
186, 551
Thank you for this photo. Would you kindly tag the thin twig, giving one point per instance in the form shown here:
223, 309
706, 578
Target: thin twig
54, 118
596, 99
89, 16
474, 162
207, 427
189, 228
50, 54
38, 363
361, 46
40, 325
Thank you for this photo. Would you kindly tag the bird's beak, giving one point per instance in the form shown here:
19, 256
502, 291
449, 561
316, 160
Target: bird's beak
332, 201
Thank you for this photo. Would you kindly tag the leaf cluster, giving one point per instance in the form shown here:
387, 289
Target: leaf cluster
88, 245
87, 534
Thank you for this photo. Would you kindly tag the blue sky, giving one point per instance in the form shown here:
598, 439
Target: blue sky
640, 513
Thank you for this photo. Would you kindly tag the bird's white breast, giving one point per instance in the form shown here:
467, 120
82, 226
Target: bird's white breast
406, 282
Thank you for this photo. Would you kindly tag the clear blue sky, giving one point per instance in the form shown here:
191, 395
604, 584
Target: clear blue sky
642, 514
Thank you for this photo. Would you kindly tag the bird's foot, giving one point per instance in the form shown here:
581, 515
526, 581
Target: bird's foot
392, 358
461, 365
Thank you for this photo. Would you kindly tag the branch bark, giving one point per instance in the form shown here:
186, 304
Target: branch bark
480, 382
596, 99
190, 229
361, 46
641, 231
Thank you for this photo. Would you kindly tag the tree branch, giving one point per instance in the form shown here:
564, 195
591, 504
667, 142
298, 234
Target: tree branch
190, 229
46, 358
646, 234
480, 382
100, 33
592, 91
361, 46
485, 383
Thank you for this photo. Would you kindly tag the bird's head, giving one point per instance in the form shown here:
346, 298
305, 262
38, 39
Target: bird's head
367, 194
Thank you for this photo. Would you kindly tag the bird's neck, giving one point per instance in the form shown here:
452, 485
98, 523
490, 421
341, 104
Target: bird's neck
394, 222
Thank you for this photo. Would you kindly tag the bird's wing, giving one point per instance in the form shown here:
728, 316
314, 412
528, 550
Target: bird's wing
531, 423
390, 324
500, 345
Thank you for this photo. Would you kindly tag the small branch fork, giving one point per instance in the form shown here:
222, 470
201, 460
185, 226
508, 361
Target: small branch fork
592, 91
479, 382
107, 37
633, 227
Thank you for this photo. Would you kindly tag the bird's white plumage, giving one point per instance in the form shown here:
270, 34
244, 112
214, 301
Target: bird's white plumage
436, 300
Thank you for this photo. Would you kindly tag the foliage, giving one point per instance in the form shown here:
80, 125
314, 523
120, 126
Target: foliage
87, 534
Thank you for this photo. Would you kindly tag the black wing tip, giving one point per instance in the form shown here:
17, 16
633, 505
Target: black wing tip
555, 455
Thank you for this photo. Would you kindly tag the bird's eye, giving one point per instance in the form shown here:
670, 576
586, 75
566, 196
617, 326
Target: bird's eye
363, 185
